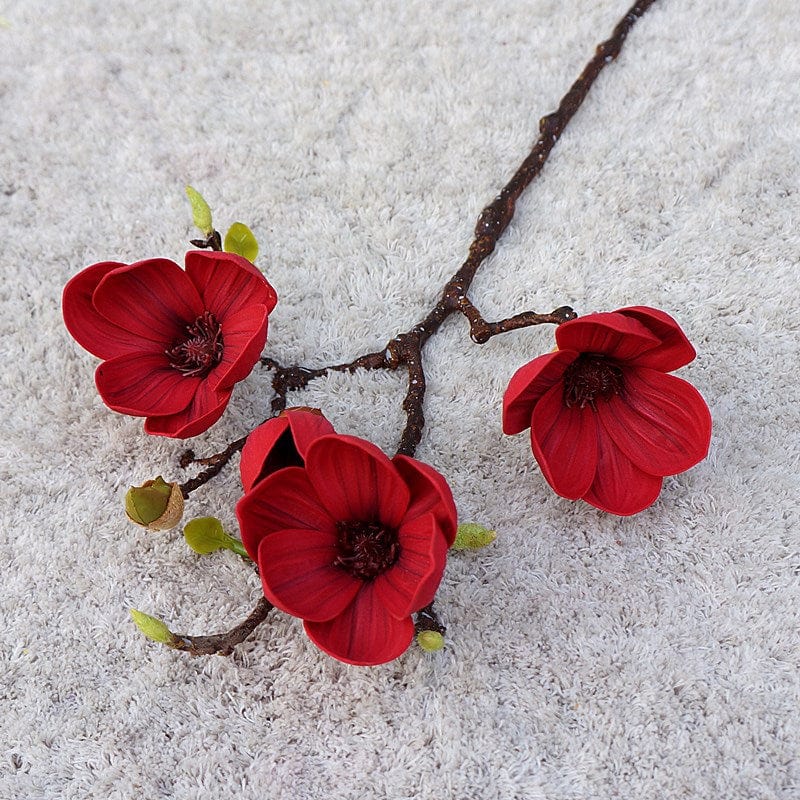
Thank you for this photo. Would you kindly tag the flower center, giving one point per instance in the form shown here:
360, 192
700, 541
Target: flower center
201, 350
588, 377
365, 549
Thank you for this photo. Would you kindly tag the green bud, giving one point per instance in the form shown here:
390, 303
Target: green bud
156, 505
472, 536
239, 239
430, 641
152, 627
205, 535
201, 213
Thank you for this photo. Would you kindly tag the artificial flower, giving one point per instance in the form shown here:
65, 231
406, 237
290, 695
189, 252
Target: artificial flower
607, 421
353, 543
281, 442
173, 342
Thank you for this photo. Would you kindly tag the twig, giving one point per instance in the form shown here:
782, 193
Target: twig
222, 643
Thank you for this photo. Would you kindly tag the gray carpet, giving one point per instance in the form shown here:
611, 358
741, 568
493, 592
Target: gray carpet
588, 656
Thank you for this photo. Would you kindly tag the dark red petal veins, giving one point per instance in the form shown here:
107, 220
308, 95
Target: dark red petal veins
564, 442
674, 351
610, 334
356, 481
143, 384
228, 283
423, 555
528, 385
620, 487
282, 501
660, 422
243, 336
365, 633
298, 577
90, 329
429, 493
154, 299
205, 408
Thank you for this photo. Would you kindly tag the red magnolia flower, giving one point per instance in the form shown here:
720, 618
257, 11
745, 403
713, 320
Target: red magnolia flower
352, 543
173, 342
281, 442
607, 423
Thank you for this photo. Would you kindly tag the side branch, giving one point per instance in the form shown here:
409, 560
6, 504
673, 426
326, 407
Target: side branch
491, 224
222, 643
481, 331
215, 464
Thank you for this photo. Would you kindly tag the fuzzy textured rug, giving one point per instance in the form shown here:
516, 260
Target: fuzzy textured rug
588, 656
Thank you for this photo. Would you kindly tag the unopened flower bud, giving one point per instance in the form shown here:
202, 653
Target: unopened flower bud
153, 628
155, 505
430, 641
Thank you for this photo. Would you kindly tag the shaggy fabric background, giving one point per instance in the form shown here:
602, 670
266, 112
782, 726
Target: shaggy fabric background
588, 656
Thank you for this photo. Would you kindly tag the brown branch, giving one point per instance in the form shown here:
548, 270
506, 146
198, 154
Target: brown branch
428, 620
215, 464
212, 242
405, 349
222, 643
481, 331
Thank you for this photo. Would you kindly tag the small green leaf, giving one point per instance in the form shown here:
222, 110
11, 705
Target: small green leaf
239, 239
472, 536
152, 627
430, 641
201, 213
206, 535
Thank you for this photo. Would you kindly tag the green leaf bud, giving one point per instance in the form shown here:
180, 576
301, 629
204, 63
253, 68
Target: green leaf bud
472, 536
239, 239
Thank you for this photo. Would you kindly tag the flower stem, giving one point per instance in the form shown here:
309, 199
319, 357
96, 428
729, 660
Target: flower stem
222, 643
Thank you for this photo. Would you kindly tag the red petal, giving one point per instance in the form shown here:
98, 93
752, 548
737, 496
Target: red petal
154, 299
306, 425
143, 384
258, 448
298, 576
610, 334
280, 442
528, 385
228, 283
356, 481
429, 492
619, 486
90, 329
675, 350
243, 336
660, 422
412, 581
204, 410
365, 634
284, 500
564, 442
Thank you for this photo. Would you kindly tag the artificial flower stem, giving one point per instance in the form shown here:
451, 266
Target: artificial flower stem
222, 643
235, 546
406, 348
428, 620
481, 331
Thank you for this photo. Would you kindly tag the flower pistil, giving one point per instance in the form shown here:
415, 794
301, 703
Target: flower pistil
365, 549
591, 376
202, 349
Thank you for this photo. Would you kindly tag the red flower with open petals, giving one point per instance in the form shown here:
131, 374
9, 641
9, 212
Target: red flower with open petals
607, 423
353, 543
173, 342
